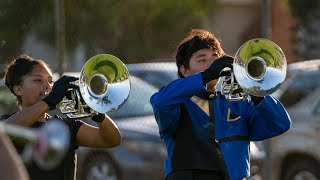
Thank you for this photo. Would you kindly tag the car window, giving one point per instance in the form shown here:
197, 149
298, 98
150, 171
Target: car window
157, 74
317, 109
138, 103
299, 86
156, 78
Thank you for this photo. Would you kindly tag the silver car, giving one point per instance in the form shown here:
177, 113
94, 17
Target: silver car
141, 153
296, 154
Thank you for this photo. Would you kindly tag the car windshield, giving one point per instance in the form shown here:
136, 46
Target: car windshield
138, 103
156, 78
298, 87
157, 74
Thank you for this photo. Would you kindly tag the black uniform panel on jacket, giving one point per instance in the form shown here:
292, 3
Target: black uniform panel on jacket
191, 152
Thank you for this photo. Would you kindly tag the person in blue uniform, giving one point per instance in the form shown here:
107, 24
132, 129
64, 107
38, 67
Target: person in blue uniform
30, 80
207, 136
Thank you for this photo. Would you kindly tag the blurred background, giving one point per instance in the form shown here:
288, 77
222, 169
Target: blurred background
66, 33
144, 35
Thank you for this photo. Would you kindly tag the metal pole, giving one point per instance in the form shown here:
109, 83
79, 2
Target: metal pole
61, 34
266, 30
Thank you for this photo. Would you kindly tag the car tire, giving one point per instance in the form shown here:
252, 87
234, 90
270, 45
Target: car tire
100, 167
302, 169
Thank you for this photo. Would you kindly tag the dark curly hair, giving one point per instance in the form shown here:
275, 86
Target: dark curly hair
18, 68
196, 39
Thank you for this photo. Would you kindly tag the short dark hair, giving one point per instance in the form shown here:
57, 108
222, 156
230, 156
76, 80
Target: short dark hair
18, 68
196, 39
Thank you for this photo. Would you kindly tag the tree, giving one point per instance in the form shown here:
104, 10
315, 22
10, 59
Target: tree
134, 30
308, 32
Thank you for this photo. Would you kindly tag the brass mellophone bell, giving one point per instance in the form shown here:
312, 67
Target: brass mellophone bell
259, 69
104, 86
46, 146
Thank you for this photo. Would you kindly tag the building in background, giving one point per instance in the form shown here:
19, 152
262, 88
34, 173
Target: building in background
240, 20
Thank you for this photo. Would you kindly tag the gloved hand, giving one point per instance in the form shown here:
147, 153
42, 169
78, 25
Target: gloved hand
98, 118
59, 90
214, 71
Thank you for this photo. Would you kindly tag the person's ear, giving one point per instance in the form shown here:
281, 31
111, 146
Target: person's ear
17, 90
184, 71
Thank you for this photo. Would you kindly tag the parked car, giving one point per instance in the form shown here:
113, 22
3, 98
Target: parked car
296, 154
158, 74
141, 153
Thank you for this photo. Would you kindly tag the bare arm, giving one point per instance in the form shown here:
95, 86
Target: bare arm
29, 115
12, 168
107, 134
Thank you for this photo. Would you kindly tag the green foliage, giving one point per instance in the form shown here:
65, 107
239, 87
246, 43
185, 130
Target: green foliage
7, 101
301, 9
17, 19
307, 30
130, 29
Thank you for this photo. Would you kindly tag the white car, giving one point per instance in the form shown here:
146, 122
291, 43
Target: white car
295, 155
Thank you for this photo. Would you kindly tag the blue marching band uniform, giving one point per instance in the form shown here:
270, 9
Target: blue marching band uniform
190, 134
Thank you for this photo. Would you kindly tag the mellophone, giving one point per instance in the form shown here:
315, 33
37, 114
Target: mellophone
259, 69
45, 146
104, 86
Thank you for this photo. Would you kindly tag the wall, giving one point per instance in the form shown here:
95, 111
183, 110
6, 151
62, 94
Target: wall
240, 20
282, 34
